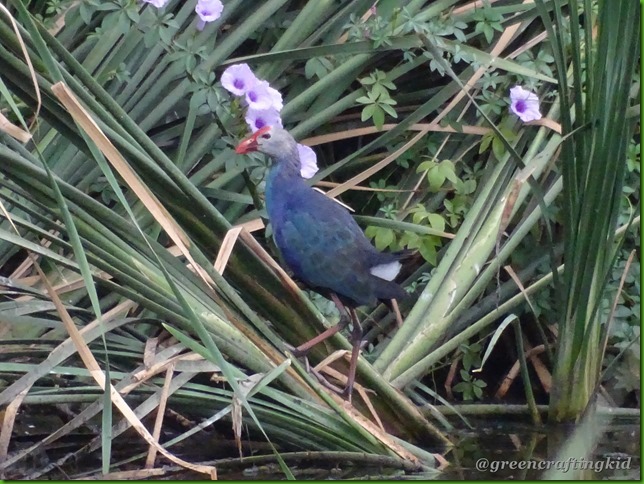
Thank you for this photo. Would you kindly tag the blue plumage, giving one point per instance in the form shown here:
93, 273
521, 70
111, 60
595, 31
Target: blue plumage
321, 242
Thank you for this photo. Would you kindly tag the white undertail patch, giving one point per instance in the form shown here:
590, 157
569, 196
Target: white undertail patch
386, 271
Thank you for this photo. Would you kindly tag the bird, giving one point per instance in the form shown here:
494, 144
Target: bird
322, 244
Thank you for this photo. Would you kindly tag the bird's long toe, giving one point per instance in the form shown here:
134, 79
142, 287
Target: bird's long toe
300, 355
346, 393
326, 383
295, 351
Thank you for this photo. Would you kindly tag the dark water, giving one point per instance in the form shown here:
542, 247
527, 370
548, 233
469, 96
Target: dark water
492, 447
497, 446
496, 450
491, 450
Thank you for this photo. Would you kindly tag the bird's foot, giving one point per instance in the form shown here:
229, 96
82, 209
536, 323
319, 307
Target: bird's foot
290, 348
295, 350
300, 355
327, 384
346, 393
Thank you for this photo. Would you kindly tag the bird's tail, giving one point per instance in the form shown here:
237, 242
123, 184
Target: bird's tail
385, 269
386, 290
405, 254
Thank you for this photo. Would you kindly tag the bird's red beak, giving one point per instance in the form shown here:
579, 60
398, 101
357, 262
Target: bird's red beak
247, 145
250, 144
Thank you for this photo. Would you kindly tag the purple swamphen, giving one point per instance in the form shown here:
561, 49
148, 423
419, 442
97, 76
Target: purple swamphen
321, 242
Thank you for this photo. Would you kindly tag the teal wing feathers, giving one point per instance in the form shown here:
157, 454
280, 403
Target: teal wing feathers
328, 251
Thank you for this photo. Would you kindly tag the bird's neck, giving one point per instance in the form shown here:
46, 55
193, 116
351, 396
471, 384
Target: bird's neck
283, 180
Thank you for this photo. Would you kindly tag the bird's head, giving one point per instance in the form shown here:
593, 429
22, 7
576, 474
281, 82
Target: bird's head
271, 140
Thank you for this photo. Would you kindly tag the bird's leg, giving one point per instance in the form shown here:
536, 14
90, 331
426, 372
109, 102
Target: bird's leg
346, 316
396, 310
356, 338
304, 348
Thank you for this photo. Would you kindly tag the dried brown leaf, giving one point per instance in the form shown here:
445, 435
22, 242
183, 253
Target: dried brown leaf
13, 130
226, 248
95, 371
357, 132
158, 422
8, 420
375, 168
149, 351
151, 202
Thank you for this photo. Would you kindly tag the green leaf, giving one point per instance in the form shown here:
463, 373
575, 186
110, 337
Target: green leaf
419, 216
371, 231
436, 221
384, 238
379, 92
317, 66
389, 110
436, 178
485, 142
426, 165
488, 31
368, 112
462, 387
498, 148
446, 167
428, 250
378, 116
309, 68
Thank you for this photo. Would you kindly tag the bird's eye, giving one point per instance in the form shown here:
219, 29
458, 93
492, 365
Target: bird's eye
266, 136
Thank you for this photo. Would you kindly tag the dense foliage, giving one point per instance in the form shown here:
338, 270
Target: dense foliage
135, 220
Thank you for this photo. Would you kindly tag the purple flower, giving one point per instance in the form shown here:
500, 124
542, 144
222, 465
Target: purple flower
209, 10
308, 161
258, 118
524, 104
238, 79
258, 96
157, 3
276, 99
